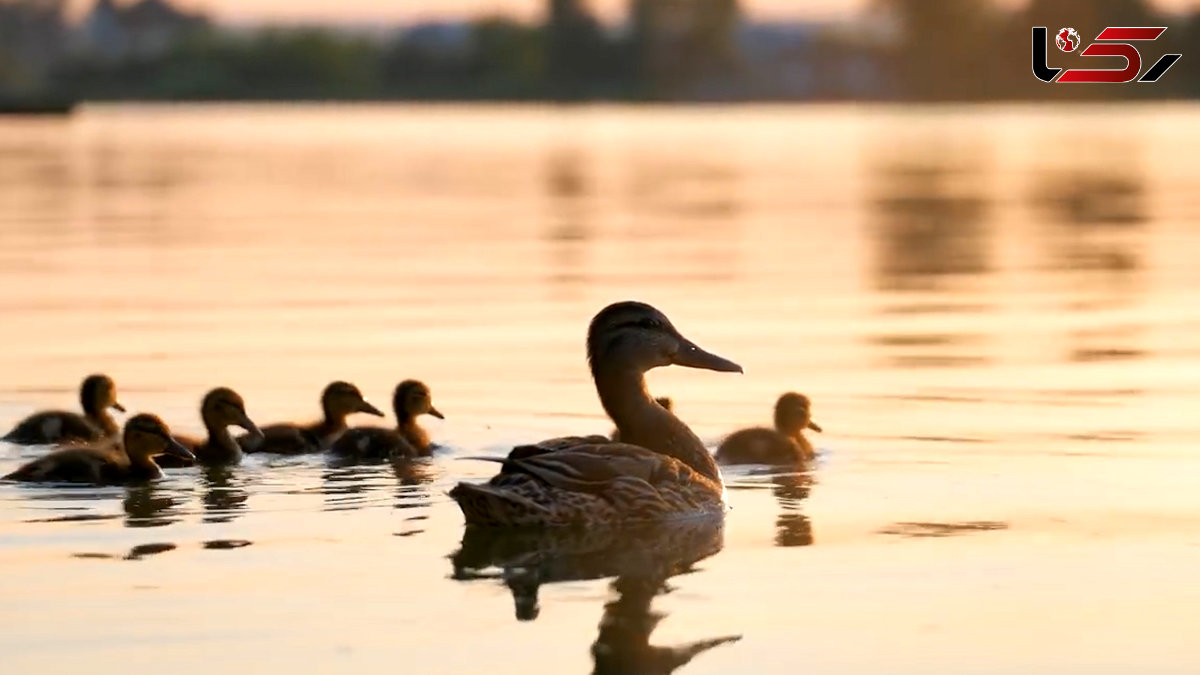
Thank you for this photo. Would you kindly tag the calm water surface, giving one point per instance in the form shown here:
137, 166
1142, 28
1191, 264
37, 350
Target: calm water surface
994, 311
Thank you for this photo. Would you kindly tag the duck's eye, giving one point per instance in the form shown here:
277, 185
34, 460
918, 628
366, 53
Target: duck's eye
649, 324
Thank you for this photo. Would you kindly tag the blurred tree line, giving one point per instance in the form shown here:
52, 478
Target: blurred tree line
911, 50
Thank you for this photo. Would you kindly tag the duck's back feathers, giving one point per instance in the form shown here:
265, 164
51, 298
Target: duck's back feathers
589, 484
374, 443
763, 446
94, 465
54, 428
281, 439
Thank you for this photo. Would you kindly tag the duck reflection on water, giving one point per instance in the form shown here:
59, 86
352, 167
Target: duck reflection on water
641, 558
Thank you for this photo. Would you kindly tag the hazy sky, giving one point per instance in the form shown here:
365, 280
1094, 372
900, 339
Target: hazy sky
409, 10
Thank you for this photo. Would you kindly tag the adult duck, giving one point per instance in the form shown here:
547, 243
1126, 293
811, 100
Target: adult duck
410, 400
97, 395
145, 437
339, 400
220, 409
783, 445
660, 471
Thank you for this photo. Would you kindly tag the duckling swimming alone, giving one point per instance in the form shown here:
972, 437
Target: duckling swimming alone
660, 471
145, 437
97, 394
221, 408
664, 401
338, 401
785, 444
411, 399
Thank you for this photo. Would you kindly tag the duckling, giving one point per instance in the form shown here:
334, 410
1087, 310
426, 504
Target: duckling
145, 437
410, 400
664, 401
339, 400
97, 394
221, 408
785, 444
660, 471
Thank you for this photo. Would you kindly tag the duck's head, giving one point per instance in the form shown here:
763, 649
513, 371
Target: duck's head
342, 398
148, 436
793, 414
98, 393
413, 398
635, 335
223, 407
666, 402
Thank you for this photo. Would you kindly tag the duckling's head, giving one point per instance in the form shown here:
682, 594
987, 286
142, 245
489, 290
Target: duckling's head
637, 336
148, 436
413, 398
793, 414
99, 393
666, 402
342, 398
223, 407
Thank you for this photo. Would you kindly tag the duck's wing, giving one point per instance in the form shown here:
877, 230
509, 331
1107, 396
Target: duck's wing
590, 484
559, 443
283, 439
588, 467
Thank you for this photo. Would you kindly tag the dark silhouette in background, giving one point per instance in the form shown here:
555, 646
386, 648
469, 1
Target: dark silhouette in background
674, 50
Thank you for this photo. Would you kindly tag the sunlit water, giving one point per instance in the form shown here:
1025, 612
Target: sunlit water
994, 311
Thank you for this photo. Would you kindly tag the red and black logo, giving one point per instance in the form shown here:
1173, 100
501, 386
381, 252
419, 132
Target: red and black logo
1112, 41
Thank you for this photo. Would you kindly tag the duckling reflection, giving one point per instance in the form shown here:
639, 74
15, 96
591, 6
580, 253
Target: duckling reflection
349, 484
641, 558
792, 527
97, 394
224, 499
148, 506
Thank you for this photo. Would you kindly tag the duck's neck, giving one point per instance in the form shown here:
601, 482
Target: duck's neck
406, 426
142, 466
332, 424
100, 416
219, 437
644, 423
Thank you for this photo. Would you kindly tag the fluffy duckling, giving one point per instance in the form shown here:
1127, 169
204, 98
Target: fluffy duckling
338, 401
411, 399
97, 394
146, 437
221, 408
664, 401
785, 444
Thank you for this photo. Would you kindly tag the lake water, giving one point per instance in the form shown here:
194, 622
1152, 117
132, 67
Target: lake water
993, 309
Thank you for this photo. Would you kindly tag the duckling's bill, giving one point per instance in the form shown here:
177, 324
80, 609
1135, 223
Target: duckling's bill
116, 405
815, 427
369, 409
177, 449
436, 413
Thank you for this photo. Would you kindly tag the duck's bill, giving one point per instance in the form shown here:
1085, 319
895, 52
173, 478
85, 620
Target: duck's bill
250, 427
691, 356
177, 449
117, 406
815, 427
436, 413
369, 409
